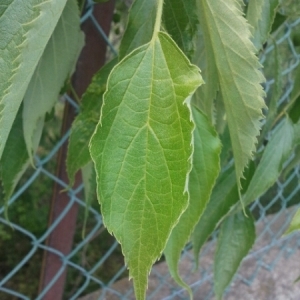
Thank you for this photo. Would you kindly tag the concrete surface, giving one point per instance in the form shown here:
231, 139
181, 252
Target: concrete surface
275, 283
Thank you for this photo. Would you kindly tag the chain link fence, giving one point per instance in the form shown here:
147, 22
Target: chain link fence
95, 266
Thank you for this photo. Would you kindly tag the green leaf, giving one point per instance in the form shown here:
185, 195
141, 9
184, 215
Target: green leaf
14, 160
53, 68
140, 26
237, 236
278, 21
206, 167
295, 223
204, 58
277, 151
224, 196
180, 21
228, 36
85, 123
89, 183
26, 28
261, 15
142, 151
275, 94
292, 164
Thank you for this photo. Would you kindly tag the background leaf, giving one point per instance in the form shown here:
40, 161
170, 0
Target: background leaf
295, 223
53, 68
206, 167
224, 196
237, 236
180, 21
261, 15
140, 26
277, 151
142, 150
24, 34
85, 123
14, 160
228, 36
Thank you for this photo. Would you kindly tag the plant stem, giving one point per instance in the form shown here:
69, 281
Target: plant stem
160, 4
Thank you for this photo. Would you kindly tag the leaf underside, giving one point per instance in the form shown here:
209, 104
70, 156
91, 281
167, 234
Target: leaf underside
260, 15
53, 68
25, 29
142, 151
228, 35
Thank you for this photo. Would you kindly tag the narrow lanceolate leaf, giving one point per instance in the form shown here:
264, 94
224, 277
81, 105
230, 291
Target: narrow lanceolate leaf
89, 183
25, 29
237, 236
85, 123
206, 167
180, 20
295, 223
260, 15
277, 151
224, 196
238, 74
140, 26
275, 94
14, 160
53, 68
205, 60
142, 151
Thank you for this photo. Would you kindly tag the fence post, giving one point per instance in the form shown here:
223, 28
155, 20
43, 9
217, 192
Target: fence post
61, 238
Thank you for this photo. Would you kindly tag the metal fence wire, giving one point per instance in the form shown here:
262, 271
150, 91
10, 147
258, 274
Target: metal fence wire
95, 265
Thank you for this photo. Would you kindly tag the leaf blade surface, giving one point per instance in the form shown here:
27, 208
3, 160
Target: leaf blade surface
238, 74
55, 65
25, 30
142, 151
236, 238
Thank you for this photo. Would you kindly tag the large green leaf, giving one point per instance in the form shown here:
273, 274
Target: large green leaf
228, 35
180, 20
277, 151
140, 26
85, 123
26, 28
206, 167
14, 160
260, 15
53, 68
237, 236
142, 151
